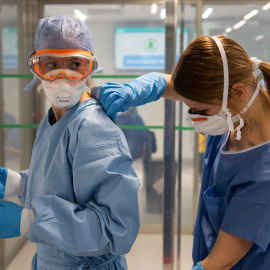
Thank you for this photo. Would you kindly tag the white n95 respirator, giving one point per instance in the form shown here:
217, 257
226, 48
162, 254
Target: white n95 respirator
62, 93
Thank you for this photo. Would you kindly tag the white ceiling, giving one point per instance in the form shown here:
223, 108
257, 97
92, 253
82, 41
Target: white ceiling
227, 14
138, 13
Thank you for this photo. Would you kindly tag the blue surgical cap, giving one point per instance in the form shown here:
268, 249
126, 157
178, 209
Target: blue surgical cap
62, 32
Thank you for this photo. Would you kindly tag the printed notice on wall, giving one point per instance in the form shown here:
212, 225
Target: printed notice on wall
141, 48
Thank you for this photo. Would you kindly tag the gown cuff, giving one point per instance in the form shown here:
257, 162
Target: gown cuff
27, 219
14, 184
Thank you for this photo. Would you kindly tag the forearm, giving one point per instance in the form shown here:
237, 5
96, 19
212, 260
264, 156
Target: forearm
227, 251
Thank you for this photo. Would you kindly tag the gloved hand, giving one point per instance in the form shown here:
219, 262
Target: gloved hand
3, 180
198, 266
116, 97
10, 219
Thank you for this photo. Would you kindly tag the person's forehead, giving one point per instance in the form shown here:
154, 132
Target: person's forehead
198, 105
193, 104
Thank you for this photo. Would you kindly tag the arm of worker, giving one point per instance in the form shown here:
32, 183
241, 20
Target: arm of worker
105, 217
227, 251
116, 97
11, 183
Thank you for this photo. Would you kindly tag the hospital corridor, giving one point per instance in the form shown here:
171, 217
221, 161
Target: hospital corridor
99, 158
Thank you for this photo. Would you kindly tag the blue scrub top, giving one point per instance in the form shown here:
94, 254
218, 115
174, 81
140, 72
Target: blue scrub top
83, 189
235, 197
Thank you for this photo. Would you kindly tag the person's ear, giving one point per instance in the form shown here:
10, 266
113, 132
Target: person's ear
240, 91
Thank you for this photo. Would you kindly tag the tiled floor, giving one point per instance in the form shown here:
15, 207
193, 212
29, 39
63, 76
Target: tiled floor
146, 254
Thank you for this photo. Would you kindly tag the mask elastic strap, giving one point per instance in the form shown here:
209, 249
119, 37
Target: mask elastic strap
225, 71
226, 82
252, 99
238, 116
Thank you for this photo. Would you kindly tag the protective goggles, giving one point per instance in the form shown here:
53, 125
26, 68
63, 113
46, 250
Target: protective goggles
53, 64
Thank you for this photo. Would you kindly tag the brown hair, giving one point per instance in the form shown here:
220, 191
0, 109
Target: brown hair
199, 76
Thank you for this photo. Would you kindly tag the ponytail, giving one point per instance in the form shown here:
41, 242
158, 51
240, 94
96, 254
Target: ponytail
265, 69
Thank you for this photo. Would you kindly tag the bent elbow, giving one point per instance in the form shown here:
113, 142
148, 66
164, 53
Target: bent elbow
124, 243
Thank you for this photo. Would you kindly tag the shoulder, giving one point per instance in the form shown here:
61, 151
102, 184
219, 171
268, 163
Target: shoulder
256, 165
95, 127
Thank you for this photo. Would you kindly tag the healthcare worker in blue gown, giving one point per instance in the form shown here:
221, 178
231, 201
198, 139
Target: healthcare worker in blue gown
80, 192
214, 78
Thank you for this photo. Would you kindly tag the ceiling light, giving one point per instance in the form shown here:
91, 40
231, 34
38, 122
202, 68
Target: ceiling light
251, 14
267, 6
154, 8
238, 25
207, 12
79, 14
259, 37
163, 13
228, 30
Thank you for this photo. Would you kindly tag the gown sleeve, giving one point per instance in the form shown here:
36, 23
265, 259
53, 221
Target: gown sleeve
248, 213
105, 218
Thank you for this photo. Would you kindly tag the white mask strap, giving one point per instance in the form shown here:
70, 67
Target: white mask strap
225, 71
252, 99
238, 116
226, 82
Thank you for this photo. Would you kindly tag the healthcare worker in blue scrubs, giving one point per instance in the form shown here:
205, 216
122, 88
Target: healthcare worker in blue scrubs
80, 192
215, 78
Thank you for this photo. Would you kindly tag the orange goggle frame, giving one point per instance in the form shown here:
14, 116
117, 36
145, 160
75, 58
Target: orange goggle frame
33, 63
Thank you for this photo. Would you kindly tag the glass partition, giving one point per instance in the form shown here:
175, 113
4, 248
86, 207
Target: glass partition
9, 100
248, 24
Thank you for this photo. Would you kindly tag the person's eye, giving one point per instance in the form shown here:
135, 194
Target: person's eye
202, 112
74, 65
51, 65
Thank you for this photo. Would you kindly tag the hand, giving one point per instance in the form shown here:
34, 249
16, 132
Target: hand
116, 97
10, 219
3, 180
198, 266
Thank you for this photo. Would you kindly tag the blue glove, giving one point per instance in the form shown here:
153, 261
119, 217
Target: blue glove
3, 180
10, 219
198, 266
116, 97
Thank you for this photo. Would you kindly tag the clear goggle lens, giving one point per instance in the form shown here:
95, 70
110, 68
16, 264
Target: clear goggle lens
74, 67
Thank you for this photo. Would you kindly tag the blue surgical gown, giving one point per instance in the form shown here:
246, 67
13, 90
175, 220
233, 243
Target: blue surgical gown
235, 197
83, 189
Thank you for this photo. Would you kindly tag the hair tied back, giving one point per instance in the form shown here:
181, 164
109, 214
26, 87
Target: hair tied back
255, 63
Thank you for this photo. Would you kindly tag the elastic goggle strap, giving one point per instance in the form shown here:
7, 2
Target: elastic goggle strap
63, 52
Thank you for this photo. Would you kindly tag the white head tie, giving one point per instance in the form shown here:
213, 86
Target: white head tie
255, 63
